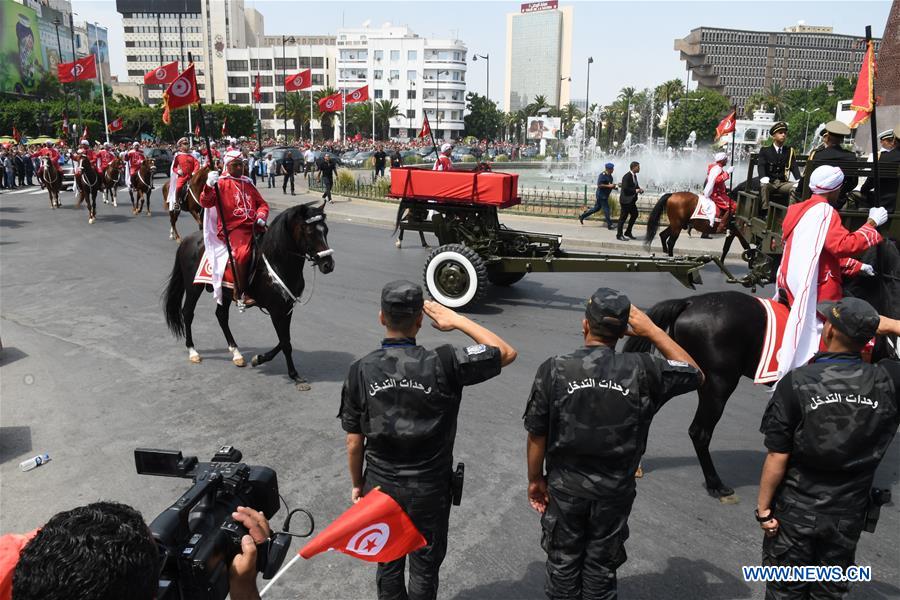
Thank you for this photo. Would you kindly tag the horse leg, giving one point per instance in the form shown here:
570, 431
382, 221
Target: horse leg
191, 295
282, 324
664, 236
114, 192
133, 201
673, 238
173, 231
222, 315
149, 191
713, 395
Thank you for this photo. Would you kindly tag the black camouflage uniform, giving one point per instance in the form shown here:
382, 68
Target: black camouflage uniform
836, 418
831, 155
595, 406
405, 400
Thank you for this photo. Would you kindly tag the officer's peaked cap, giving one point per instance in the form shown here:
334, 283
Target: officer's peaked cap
837, 128
779, 126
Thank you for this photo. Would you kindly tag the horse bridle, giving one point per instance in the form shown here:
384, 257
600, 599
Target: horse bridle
307, 255
84, 176
48, 166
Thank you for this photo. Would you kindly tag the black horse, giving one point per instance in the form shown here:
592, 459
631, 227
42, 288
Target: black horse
723, 332
298, 234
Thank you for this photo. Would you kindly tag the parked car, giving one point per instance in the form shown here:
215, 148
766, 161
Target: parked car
459, 152
279, 152
530, 152
359, 159
162, 159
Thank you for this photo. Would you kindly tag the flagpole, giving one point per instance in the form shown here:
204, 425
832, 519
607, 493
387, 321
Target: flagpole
102, 88
733, 144
344, 114
373, 119
872, 122
75, 57
311, 134
216, 186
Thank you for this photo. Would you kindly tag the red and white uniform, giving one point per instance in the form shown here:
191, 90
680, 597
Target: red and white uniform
104, 159
51, 153
83, 152
443, 163
242, 205
837, 249
134, 158
205, 155
183, 166
716, 176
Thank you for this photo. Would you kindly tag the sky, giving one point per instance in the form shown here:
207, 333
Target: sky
631, 42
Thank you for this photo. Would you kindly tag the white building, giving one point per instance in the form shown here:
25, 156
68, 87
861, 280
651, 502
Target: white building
417, 74
243, 64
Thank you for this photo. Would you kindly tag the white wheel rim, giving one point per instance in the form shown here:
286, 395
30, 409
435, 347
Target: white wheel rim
430, 272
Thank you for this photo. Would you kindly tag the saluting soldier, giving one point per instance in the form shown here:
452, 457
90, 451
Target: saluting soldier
775, 164
587, 419
399, 407
831, 152
888, 163
827, 426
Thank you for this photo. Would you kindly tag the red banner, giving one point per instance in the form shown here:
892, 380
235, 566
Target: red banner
331, 103
16, 135
163, 75
375, 529
181, 92
358, 95
864, 96
115, 125
298, 81
726, 125
257, 90
81, 69
426, 128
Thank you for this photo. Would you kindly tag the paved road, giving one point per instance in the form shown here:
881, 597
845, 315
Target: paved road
89, 372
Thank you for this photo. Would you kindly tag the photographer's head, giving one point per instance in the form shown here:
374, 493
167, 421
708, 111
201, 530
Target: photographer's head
401, 308
102, 551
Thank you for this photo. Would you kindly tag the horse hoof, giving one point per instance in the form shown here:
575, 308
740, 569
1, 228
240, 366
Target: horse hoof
91, 221
301, 384
194, 356
723, 493
239, 361
398, 243
254, 362
639, 473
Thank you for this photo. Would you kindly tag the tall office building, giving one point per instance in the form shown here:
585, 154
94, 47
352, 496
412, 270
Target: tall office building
738, 63
538, 54
161, 31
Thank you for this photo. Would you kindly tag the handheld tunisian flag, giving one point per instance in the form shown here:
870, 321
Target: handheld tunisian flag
83, 68
298, 81
331, 103
374, 529
16, 135
181, 92
165, 74
115, 125
358, 95
727, 125
426, 128
864, 96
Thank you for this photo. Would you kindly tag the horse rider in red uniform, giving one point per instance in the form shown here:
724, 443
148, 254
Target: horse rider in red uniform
52, 154
243, 208
217, 156
716, 176
183, 166
443, 162
84, 151
814, 235
105, 157
134, 158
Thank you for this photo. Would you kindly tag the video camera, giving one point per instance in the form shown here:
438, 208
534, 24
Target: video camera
196, 536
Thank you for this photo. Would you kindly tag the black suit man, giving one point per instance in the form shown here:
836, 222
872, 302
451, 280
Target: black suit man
628, 201
888, 163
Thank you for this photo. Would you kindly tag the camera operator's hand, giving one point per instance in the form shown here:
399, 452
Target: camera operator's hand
242, 578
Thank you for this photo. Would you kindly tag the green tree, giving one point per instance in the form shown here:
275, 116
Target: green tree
485, 120
539, 103
699, 111
385, 110
625, 98
295, 106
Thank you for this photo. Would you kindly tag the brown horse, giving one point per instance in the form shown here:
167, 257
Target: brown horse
52, 180
142, 184
88, 183
679, 207
111, 181
188, 198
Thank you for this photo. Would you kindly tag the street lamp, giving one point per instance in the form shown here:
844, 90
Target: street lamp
587, 103
806, 132
559, 110
486, 57
284, 40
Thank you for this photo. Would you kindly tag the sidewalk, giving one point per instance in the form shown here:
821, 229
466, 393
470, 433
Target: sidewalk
592, 235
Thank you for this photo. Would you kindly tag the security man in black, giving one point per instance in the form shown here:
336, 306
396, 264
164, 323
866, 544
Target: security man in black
399, 407
587, 420
831, 152
775, 163
889, 174
827, 426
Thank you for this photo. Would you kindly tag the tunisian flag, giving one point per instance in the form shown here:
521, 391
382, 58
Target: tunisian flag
726, 125
331, 103
181, 92
864, 96
298, 81
165, 74
426, 128
115, 125
257, 90
358, 95
374, 529
83, 68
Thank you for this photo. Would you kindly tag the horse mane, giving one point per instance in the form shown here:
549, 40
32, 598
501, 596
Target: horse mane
280, 235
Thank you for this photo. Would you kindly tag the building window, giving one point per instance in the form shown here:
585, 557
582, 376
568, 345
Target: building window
411, 114
379, 55
237, 65
395, 74
395, 55
379, 94
318, 79
410, 55
239, 98
263, 64
285, 63
267, 113
378, 74
411, 75
238, 82
318, 62
410, 94
395, 94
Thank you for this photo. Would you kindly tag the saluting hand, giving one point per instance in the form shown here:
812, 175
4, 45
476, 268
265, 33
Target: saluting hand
442, 318
639, 324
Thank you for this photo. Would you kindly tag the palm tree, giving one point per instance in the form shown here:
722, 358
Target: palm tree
774, 96
385, 110
668, 91
325, 119
569, 115
626, 97
296, 107
539, 102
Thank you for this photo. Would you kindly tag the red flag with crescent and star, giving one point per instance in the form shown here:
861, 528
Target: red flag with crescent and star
331, 103
426, 128
165, 74
298, 81
864, 95
726, 125
375, 529
181, 92
16, 135
79, 70
358, 95
257, 90
115, 125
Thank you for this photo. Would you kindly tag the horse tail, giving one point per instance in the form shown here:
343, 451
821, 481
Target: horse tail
172, 297
664, 314
653, 221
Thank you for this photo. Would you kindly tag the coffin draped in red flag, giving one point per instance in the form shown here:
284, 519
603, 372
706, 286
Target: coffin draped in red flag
497, 189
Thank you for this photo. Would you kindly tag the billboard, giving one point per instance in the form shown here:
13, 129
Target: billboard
21, 57
542, 128
539, 6
98, 45
52, 43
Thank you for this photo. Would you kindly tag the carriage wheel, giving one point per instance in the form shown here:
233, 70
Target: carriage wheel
455, 275
498, 277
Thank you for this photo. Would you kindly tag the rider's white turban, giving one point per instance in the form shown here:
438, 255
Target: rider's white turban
825, 179
721, 156
230, 156
446, 148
